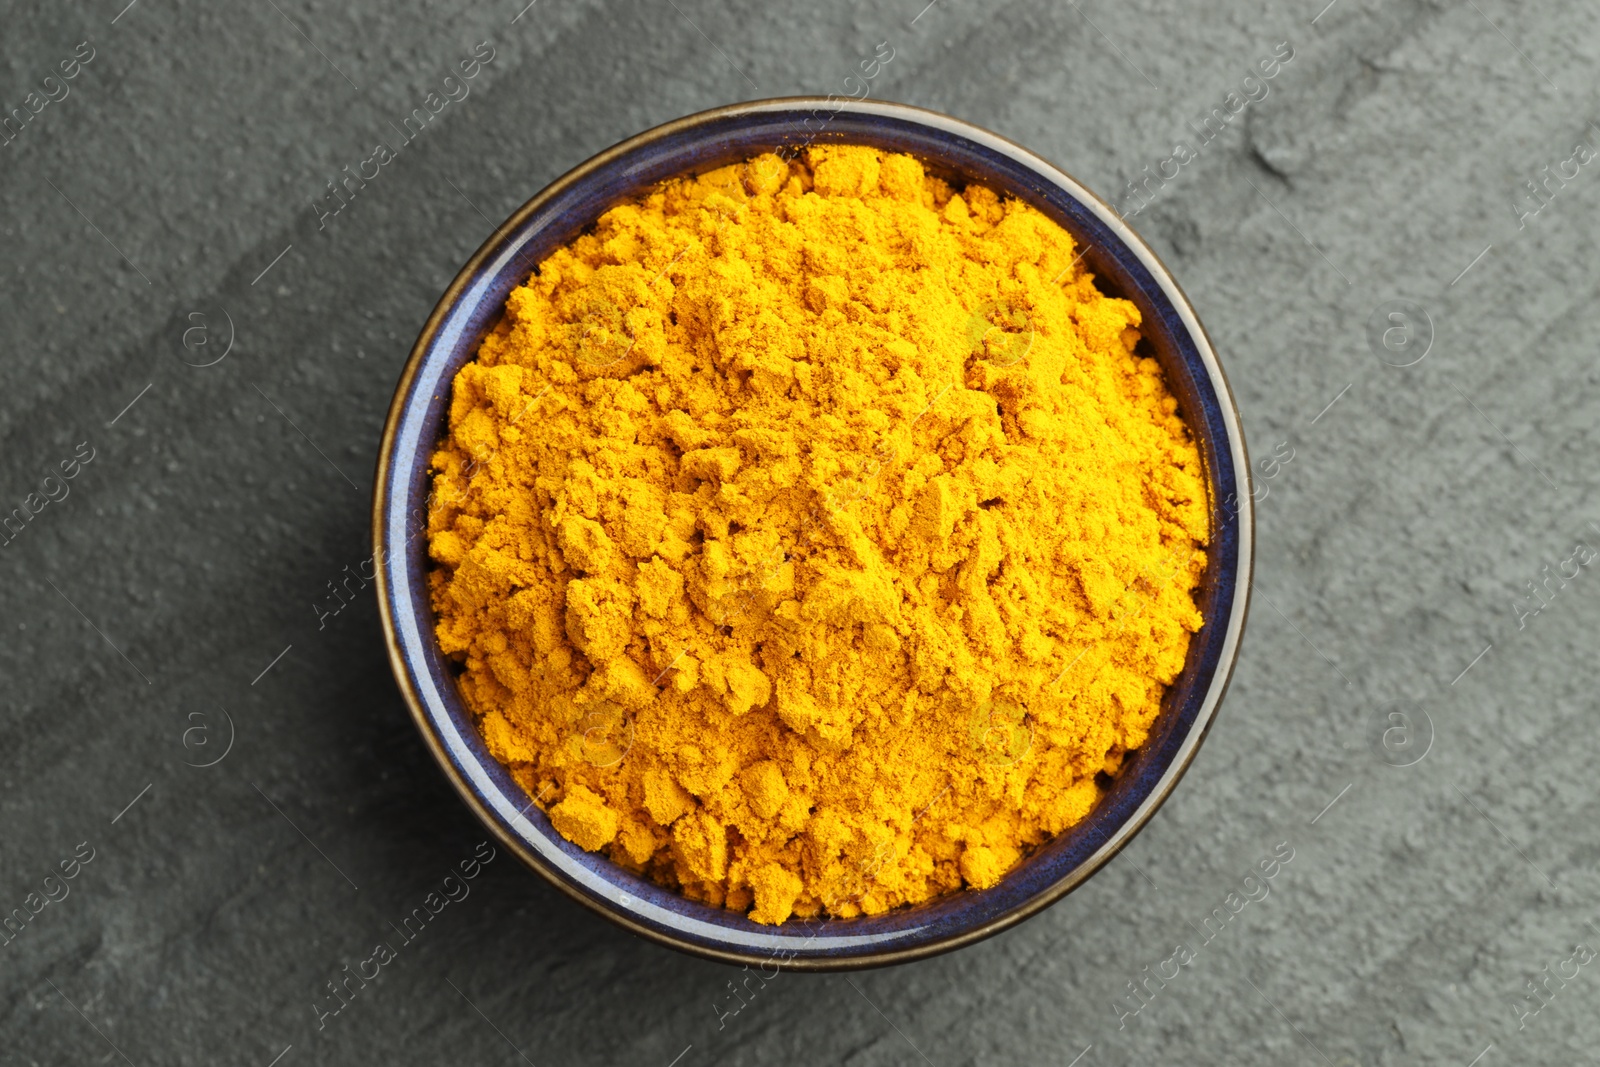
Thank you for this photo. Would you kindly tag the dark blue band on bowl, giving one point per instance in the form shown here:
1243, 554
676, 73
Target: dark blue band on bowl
1124, 267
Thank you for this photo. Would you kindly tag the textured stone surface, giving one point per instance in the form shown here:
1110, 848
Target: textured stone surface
1395, 544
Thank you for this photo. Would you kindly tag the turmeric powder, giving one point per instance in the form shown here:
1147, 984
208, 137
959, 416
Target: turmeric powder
812, 536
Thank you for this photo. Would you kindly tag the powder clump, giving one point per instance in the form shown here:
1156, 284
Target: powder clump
813, 536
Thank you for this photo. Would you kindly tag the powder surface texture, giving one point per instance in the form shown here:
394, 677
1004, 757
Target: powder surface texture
812, 536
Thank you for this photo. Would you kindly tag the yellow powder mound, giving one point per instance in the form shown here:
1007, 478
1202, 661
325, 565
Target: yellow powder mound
811, 536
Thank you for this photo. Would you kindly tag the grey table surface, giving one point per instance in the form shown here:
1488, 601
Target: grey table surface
1445, 882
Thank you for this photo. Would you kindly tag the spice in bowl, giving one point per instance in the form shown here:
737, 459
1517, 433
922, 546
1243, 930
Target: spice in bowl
813, 537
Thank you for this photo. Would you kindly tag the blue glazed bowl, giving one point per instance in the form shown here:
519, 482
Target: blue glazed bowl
1124, 267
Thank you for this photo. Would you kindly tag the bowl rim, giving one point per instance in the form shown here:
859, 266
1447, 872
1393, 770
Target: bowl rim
1118, 837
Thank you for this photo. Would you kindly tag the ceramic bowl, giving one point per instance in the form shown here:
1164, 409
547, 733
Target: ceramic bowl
1124, 267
